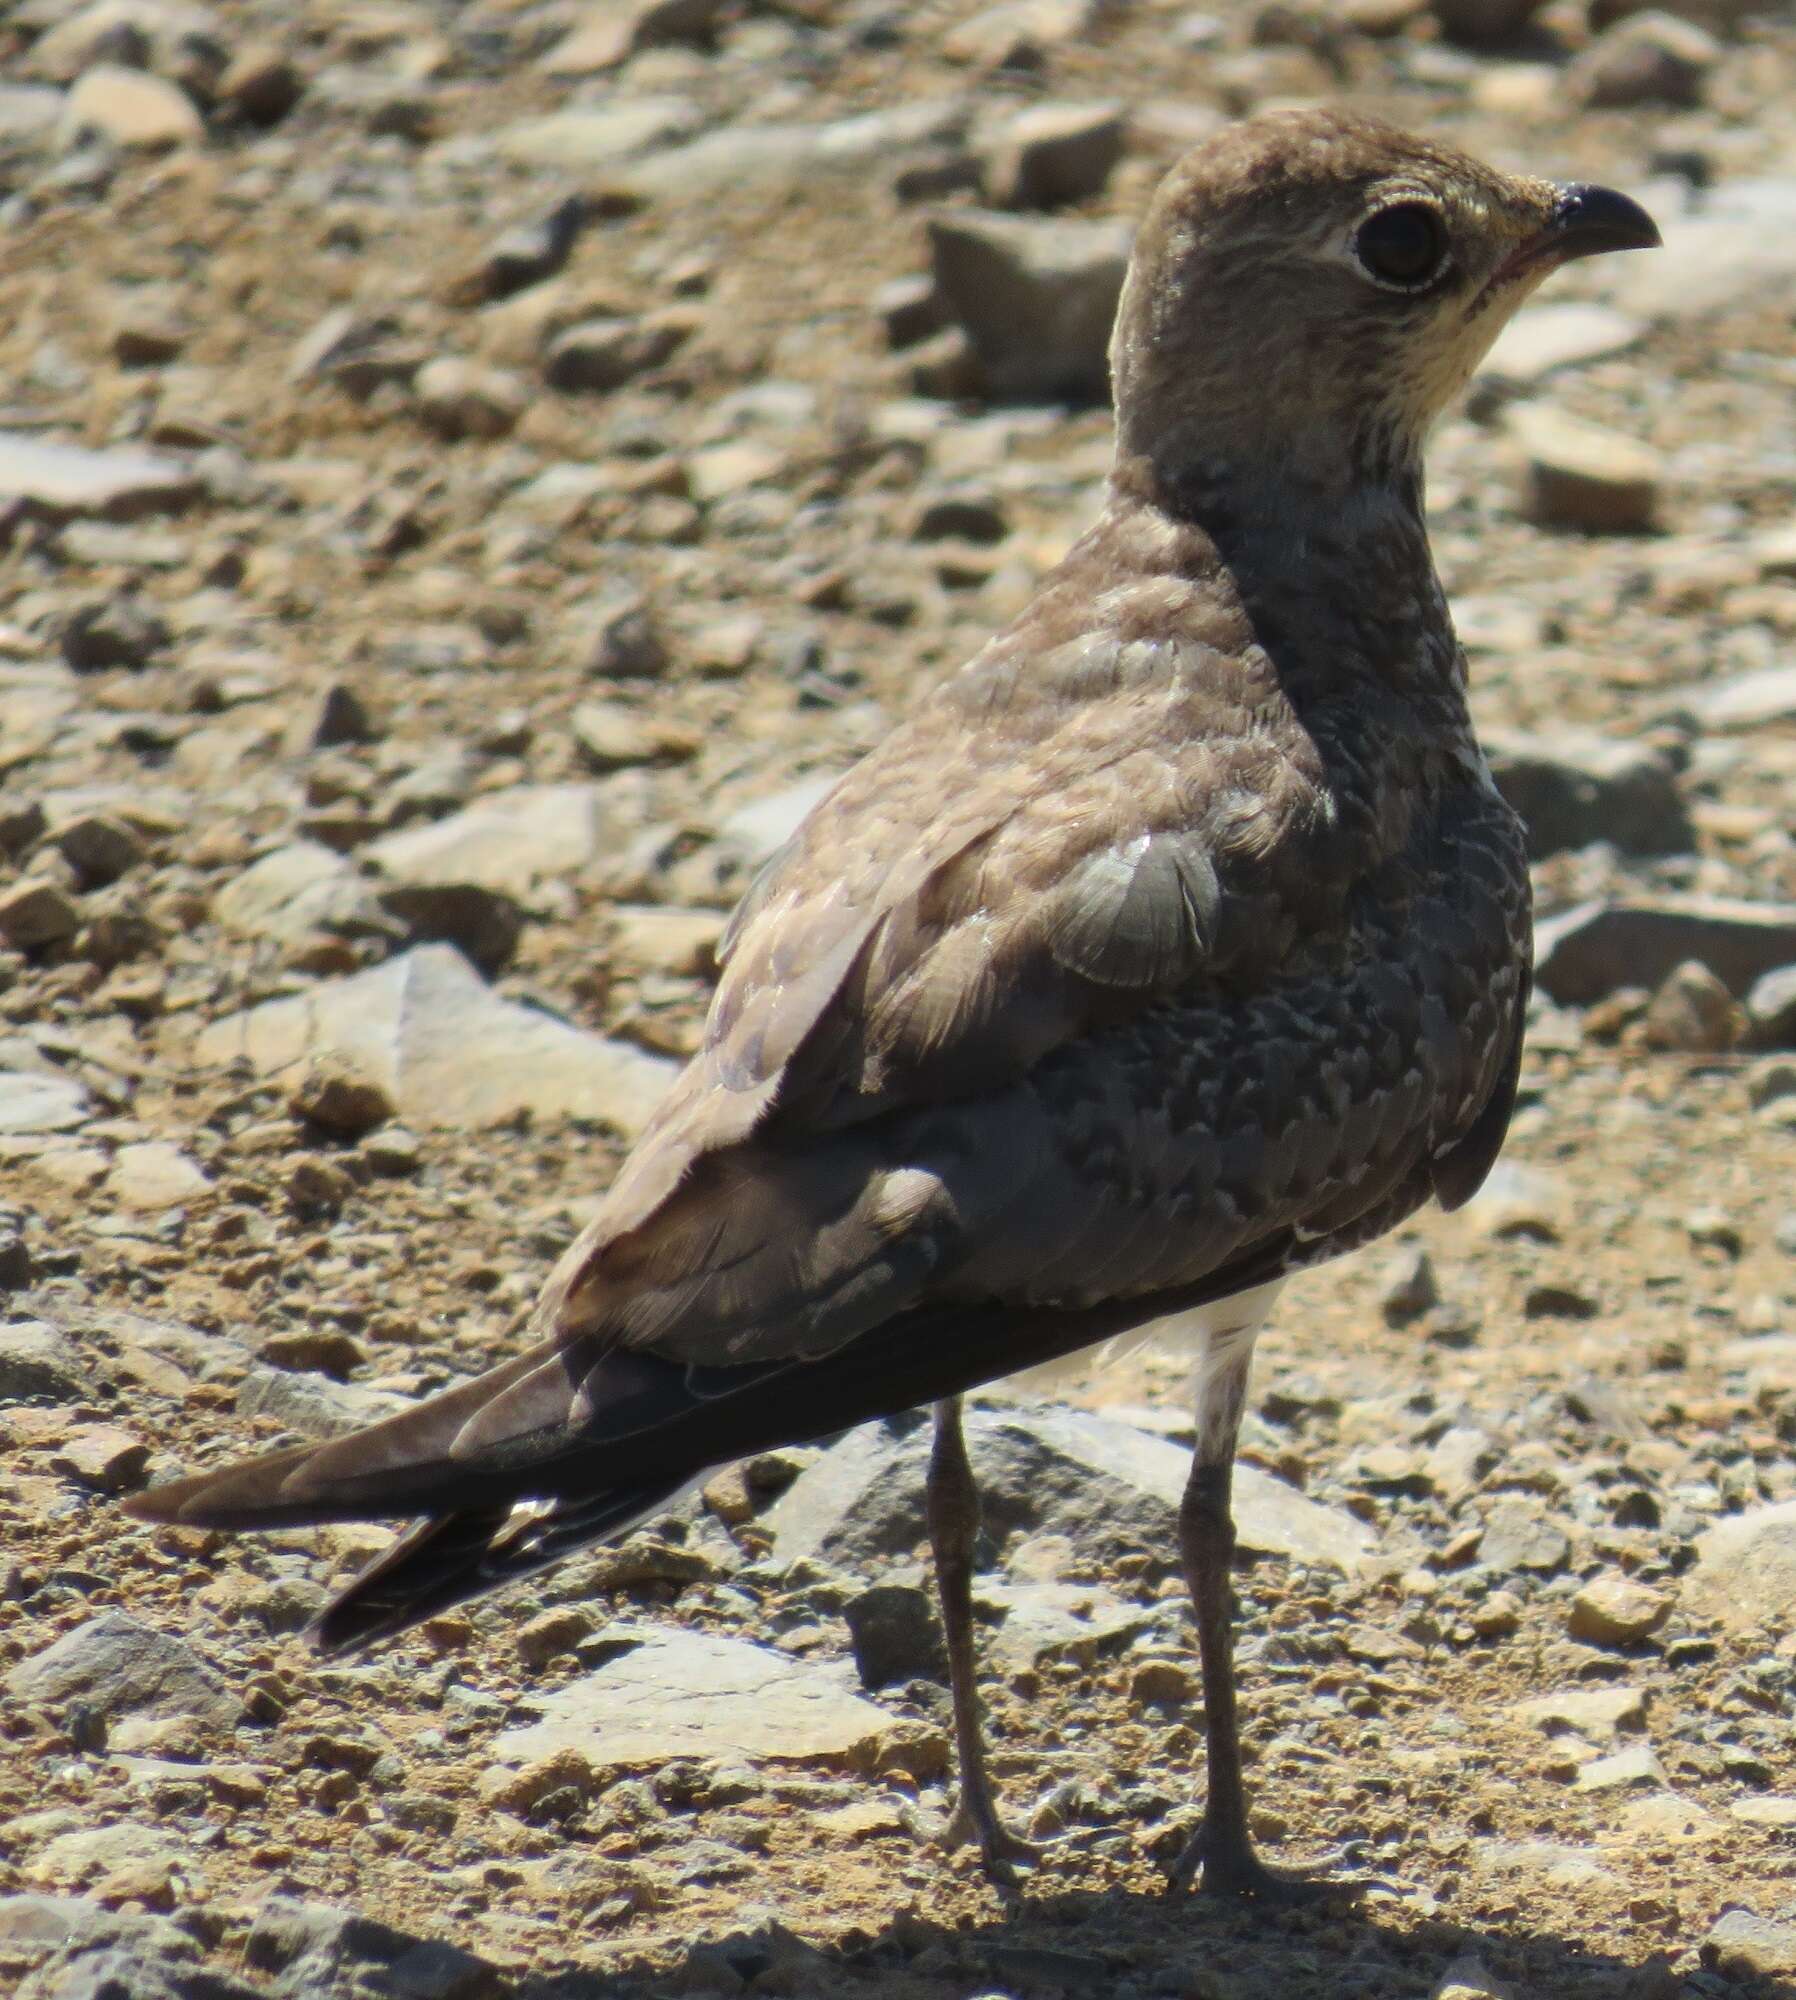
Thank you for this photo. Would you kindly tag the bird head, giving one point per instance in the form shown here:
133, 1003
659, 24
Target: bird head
1310, 288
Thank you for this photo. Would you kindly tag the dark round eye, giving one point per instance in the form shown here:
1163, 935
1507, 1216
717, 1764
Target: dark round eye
1404, 245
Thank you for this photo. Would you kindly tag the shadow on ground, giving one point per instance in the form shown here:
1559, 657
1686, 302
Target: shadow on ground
1120, 1943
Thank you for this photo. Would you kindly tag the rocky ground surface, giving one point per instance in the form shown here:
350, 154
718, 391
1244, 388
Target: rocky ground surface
468, 477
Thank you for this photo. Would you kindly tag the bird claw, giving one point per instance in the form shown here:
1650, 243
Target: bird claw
969, 1825
1233, 1872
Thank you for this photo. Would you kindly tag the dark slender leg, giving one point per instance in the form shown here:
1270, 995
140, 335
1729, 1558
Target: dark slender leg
1221, 1847
953, 1509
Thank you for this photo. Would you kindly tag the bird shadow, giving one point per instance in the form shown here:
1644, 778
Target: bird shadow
1129, 1941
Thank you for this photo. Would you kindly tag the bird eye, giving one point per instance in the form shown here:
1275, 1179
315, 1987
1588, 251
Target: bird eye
1404, 245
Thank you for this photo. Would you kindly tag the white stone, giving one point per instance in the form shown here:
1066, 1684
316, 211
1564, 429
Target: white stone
446, 1048
677, 1693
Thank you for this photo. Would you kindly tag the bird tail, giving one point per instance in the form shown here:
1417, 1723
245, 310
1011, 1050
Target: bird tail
450, 1558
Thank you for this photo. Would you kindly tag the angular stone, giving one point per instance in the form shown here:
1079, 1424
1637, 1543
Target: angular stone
446, 1048
676, 1693
1615, 1611
319, 1950
1621, 1770
1519, 1535
1589, 1713
510, 840
896, 1635
1745, 1569
1577, 786
293, 891
1743, 1944
1035, 298
35, 913
1101, 1483
99, 847
1585, 953
1050, 155
613, 738
1580, 475
115, 1666
40, 1364
60, 482
1043, 1621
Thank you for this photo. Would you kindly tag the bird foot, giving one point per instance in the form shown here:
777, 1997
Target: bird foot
976, 1824
1232, 1872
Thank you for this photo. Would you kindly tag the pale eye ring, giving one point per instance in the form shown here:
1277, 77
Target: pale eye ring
1403, 246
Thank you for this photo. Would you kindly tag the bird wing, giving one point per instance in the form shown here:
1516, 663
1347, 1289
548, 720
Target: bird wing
1018, 1044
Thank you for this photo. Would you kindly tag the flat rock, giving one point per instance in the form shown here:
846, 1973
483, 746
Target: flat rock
1742, 701
599, 135
115, 1666
1745, 1569
447, 1050
676, 1693
155, 1174
1041, 1621
61, 482
1553, 1863
1577, 786
86, 1853
1594, 1713
1101, 1483
30, 1102
1637, 1764
1585, 953
509, 841
746, 155
1036, 298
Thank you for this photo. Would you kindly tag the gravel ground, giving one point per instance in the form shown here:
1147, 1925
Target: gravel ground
467, 476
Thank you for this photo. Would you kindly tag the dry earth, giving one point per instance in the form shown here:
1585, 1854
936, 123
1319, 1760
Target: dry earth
656, 509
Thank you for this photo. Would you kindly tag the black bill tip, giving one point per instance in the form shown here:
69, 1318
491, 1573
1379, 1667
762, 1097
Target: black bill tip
1590, 221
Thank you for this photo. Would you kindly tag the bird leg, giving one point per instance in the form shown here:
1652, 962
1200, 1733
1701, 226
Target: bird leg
952, 1503
1221, 1847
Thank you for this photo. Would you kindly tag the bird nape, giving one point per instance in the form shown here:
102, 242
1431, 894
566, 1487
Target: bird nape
1178, 942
